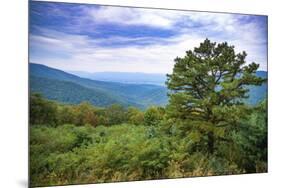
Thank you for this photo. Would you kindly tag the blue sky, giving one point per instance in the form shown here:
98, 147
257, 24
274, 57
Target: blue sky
92, 38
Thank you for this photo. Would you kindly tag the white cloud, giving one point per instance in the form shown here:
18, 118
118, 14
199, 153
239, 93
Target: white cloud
134, 16
95, 55
166, 19
88, 55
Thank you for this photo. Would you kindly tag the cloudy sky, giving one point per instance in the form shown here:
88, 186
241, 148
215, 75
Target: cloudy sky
92, 38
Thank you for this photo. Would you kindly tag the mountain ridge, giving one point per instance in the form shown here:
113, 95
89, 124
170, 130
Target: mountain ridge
128, 93
124, 77
65, 87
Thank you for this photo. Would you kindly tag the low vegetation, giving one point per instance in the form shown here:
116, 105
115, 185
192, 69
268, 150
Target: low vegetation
72, 144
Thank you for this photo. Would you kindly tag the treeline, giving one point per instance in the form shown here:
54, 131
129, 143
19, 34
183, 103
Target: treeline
49, 112
72, 144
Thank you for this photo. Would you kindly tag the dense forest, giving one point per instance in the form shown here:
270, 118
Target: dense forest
205, 129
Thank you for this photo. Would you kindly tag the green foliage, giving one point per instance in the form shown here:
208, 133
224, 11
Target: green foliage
251, 140
85, 114
207, 87
135, 116
153, 116
66, 114
85, 154
102, 154
42, 111
116, 114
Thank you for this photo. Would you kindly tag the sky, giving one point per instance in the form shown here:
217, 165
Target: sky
95, 38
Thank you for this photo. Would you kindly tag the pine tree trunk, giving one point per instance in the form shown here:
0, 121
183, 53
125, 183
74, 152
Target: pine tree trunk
211, 142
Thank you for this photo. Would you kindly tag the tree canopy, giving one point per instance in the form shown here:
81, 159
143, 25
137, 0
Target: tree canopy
207, 87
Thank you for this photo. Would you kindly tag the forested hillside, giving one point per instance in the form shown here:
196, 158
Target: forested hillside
138, 95
60, 86
72, 93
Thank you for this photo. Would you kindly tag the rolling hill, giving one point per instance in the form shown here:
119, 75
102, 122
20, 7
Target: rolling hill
72, 93
58, 85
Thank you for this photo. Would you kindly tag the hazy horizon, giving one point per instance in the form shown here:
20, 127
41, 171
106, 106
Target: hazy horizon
77, 71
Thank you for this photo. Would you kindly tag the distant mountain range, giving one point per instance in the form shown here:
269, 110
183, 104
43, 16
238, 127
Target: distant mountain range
102, 89
68, 88
258, 93
124, 77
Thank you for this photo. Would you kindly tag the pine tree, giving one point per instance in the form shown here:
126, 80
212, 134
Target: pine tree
207, 90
